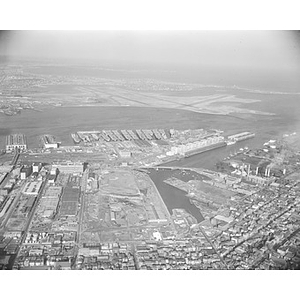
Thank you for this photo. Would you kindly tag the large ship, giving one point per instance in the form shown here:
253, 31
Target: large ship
75, 138
241, 136
205, 148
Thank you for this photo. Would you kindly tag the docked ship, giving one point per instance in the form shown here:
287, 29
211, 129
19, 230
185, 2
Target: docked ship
205, 148
241, 136
75, 138
230, 142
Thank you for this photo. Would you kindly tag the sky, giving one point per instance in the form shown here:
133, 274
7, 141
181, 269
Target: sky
266, 50
265, 60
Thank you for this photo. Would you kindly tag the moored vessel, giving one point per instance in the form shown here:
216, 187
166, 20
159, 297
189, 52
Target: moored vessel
75, 138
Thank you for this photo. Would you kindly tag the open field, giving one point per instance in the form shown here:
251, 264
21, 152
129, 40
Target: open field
118, 182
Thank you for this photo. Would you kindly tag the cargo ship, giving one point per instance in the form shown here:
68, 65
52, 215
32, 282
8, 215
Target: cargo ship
205, 148
75, 138
241, 136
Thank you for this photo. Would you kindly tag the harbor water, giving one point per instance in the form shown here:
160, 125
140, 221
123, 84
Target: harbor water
172, 196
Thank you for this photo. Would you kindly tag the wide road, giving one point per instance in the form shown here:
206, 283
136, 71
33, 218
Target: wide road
82, 207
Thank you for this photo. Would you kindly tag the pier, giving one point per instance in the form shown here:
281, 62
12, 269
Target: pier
201, 171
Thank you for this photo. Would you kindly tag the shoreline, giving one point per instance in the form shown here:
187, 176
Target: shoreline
31, 70
185, 195
161, 199
227, 114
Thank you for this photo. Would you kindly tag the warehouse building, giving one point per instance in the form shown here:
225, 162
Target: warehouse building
16, 141
32, 188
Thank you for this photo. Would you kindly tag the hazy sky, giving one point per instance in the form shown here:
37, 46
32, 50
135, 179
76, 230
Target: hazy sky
278, 50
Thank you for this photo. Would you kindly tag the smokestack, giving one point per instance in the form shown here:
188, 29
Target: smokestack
284, 170
256, 172
266, 172
249, 170
269, 172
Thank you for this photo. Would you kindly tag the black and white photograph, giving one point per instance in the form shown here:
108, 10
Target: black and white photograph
147, 150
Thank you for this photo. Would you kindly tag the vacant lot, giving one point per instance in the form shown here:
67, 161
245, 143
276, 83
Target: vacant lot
119, 182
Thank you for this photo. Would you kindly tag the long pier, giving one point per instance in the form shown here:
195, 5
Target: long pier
201, 171
172, 168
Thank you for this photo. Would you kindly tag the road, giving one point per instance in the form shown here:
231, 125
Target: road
16, 199
81, 211
15, 158
13, 205
136, 261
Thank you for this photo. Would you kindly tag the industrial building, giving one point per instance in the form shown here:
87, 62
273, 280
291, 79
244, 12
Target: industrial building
49, 141
25, 172
16, 141
197, 146
36, 167
52, 178
32, 188
260, 180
